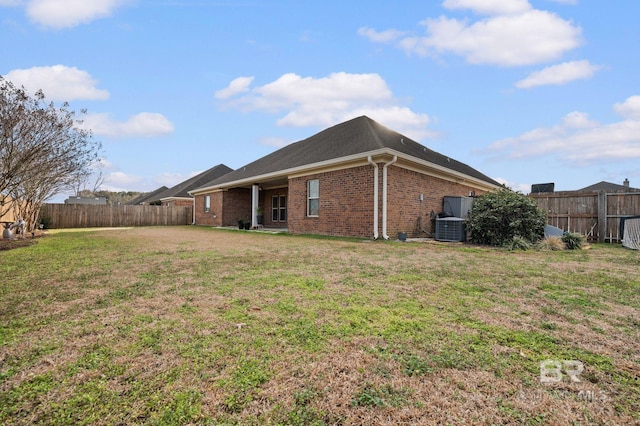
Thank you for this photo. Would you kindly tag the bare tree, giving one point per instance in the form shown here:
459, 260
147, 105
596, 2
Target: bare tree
42, 149
87, 183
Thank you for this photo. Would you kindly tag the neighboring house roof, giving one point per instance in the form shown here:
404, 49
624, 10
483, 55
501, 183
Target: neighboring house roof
144, 198
356, 137
608, 186
182, 189
86, 200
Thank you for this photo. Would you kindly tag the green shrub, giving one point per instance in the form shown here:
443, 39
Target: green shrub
497, 217
573, 240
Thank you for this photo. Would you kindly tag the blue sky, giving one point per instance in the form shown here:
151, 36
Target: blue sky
526, 91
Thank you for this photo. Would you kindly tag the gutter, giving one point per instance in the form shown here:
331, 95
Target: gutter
384, 196
375, 197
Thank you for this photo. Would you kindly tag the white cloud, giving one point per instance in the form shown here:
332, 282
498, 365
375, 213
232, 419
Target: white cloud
380, 37
508, 40
322, 102
237, 86
579, 140
60, 14
559, 74
144, 124
490, 7
58, 82
514, 34
578, 120
629, 108
120, 181
525, 188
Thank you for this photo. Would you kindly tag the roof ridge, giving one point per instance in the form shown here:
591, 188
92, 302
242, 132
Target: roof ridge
370, 124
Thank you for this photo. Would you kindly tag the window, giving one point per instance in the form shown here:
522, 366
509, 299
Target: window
282, 213
313, 197
207, 203
279, 208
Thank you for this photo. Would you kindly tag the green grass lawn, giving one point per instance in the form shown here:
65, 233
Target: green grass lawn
192, 325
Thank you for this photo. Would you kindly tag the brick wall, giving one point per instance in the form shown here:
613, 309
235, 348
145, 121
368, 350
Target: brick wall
405, 211
178, 203
346, 203
236, 205
226, 207
213, 217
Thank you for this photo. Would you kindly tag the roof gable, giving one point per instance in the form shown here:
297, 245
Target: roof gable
356, 136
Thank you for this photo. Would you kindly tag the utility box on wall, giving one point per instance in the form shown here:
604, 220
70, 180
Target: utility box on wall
452, 229
457, 206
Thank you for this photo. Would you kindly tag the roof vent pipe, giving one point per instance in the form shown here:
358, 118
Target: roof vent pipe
384, 196
375, 197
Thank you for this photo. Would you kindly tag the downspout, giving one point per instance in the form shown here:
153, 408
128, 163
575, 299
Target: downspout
375, 198
384, 196
193, 213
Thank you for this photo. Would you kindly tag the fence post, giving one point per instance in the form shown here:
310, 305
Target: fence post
602, 216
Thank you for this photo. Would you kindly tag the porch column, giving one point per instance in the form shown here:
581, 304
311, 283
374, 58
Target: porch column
255, 197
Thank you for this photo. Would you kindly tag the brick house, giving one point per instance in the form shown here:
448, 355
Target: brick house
178, 195
357, 179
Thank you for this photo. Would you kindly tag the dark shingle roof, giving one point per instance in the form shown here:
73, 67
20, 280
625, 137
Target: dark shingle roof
607, 186
144, 198
353, 137
182, 189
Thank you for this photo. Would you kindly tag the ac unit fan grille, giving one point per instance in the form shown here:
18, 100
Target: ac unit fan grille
450, 229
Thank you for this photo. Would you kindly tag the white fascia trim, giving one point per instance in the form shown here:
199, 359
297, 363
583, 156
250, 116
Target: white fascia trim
176, 198
208, 190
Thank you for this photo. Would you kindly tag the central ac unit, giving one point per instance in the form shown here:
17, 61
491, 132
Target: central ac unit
451, 229
457, 206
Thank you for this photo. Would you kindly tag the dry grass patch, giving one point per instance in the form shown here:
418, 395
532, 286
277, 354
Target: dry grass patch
195, 325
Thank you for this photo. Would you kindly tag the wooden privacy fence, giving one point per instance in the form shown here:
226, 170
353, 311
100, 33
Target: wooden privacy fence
88, 216
594, 214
